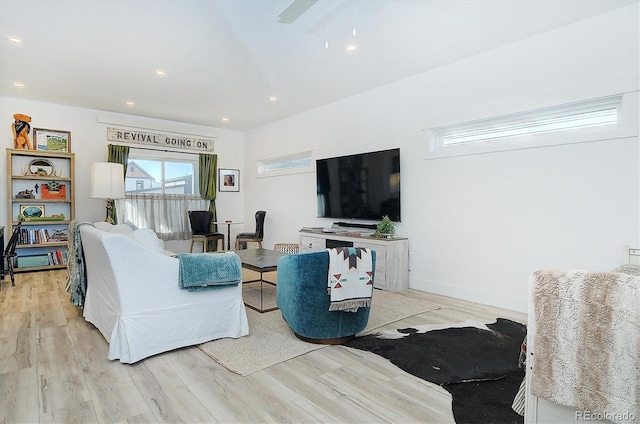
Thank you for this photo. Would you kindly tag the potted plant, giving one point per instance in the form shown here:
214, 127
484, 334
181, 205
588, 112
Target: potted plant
385, 228
53, 190
53, 186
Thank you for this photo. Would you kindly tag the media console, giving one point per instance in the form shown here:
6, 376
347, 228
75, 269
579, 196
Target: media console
392, 254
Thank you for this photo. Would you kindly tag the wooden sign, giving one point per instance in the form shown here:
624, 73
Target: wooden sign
159, 140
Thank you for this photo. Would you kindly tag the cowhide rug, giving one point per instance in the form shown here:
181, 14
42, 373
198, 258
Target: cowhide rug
477, 363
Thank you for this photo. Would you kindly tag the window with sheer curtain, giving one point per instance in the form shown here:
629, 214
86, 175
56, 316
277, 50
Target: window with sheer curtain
159, 193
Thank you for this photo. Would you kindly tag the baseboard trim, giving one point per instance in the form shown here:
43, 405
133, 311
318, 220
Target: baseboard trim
465, 293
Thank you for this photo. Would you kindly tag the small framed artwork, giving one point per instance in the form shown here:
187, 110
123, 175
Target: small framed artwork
32, 211
228, 180
52, 140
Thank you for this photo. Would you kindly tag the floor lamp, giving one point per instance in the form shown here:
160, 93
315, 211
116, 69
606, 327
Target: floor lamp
107, 182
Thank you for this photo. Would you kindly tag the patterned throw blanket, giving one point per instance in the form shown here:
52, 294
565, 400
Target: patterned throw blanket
587, 342
350, 282
76, 270
206, 271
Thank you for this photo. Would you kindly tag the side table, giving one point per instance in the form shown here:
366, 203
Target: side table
229, 230
260, 260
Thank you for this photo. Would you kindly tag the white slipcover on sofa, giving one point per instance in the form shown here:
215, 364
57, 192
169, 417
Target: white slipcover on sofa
134, 299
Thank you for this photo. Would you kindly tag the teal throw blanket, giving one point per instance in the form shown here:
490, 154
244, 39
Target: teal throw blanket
76, 268
206, 271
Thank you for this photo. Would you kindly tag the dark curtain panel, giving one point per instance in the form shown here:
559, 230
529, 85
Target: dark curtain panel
118, 154
208, 169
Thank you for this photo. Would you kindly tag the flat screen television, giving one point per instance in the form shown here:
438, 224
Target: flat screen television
361, 186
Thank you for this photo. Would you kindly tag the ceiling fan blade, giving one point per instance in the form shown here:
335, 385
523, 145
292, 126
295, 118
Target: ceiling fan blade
295, 10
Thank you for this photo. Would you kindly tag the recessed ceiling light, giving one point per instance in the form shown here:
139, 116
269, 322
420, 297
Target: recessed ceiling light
18, 84
351, 48
130, 103
273, 99
225, 119
14, 39
160, 73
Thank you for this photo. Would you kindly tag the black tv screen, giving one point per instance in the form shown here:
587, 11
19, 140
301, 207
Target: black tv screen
360, 186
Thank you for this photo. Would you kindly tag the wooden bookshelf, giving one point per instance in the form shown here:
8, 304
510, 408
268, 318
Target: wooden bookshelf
45, 219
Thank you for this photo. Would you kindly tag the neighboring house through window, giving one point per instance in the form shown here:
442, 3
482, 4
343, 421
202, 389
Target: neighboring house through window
160, 190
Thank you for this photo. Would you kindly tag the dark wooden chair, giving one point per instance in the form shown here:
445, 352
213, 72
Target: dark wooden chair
256, 236
201, 230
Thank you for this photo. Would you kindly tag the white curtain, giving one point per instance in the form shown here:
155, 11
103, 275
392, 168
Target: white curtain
166, 214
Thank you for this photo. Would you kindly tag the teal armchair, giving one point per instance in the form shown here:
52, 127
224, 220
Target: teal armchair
301, 295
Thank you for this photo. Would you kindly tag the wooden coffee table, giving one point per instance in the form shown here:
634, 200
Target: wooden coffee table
260, 260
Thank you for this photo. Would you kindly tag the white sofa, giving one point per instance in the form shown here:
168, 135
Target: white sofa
133, 297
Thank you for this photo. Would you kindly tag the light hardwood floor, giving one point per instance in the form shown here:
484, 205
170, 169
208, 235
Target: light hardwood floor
54, 368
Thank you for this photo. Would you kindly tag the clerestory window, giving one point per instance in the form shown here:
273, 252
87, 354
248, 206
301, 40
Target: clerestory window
591, 120
289, 164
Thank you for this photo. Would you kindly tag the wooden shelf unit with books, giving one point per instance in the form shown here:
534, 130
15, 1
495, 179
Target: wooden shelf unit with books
41, 195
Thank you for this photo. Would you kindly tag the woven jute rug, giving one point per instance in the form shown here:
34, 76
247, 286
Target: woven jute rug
271, 341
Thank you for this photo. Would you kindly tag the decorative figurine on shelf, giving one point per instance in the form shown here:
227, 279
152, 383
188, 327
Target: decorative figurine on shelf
21, 129
31, 216
25, 194
59, 235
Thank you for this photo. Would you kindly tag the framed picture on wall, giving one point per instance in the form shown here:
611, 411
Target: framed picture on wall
52, 140
228, 180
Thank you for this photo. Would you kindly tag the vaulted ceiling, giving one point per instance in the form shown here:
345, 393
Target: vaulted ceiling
227, 59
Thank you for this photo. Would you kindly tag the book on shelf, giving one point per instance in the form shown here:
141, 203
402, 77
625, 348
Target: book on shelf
41, 236
27, 261
56, 258
53, 257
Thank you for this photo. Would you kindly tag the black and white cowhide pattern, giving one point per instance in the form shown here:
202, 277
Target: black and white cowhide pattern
477, 363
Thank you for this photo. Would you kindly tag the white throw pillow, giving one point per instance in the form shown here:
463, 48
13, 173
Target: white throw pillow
149, 239
132, 225
103, 226
122, 229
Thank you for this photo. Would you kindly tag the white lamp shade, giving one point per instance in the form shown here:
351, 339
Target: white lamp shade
107, 180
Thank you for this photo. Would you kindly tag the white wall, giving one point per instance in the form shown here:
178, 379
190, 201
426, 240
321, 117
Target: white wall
89, 143
479, 225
